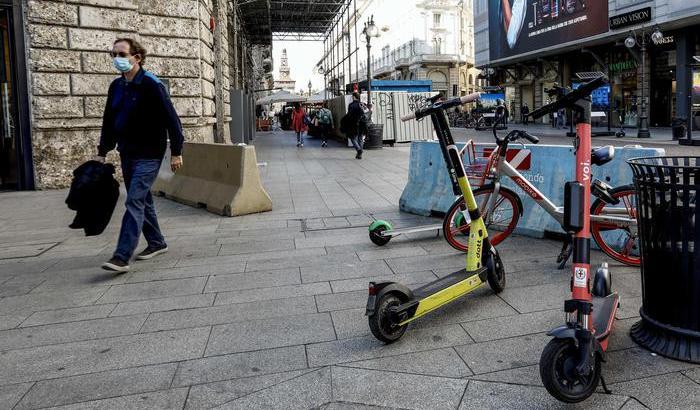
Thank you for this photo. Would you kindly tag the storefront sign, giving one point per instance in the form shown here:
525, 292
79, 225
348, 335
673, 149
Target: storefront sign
520, 26
631, 18
622, 66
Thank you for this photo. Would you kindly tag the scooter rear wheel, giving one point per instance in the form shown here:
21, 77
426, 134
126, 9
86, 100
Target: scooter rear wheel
380, 323
559, 375
375, 235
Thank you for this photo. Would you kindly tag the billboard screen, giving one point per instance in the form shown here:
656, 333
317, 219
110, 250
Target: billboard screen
520, 26
600, 97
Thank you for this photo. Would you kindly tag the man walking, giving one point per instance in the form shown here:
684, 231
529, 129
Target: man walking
355, 116
524, 112
325, 122
139, 118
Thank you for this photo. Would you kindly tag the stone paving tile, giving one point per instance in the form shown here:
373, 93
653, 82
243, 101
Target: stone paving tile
332, 241
51, 300
256, 246
270, 333
620, 338
96, 386
629, 308
20, 285
303, 262
75, 358
408, 391
515, 325
12, 321
350, 323
163, 304
253, 280
338, 271
69, 332
152, 290
438, 362
68, 315
213, 394
636, 363
391, 252
184, 272
693, 374
669, 391
307, 391
485, 395
11, 394
165, 399
341, 301
526, 375
429, 262
536, 298
352, 406
503, 354
280, 292
367, 347
239, 365
413, 278
633, 404
214, 315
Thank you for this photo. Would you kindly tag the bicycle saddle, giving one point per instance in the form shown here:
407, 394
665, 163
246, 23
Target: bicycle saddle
602, 155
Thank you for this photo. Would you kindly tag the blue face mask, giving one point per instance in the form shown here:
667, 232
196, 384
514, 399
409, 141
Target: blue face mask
122, 64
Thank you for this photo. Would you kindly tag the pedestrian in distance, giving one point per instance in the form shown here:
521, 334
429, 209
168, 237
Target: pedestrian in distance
354, 119
325, 123
138, 120
299, 123
524, 112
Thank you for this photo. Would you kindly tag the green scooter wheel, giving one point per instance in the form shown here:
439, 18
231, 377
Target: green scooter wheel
381, 324
375, 233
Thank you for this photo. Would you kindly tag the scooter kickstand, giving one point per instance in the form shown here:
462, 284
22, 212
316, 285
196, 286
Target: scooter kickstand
604, 385
565, 254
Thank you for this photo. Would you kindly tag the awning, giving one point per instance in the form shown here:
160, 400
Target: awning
280, 96
320, 97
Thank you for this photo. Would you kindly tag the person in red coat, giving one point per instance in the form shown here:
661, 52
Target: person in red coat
299, 124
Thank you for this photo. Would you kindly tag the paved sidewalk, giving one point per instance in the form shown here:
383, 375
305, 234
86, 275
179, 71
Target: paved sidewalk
266, 311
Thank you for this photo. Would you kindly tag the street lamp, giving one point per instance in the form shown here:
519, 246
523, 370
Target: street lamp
656, 36
369, 31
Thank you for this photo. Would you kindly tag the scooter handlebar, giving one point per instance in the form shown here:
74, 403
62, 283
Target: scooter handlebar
470, 98
530, 137
450, 103
408, 117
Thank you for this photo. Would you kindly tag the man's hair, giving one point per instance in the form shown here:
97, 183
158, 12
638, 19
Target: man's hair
134, 48
325, 104
356, 95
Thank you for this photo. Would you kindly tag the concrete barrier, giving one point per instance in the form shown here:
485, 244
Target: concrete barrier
429, 190
223, 178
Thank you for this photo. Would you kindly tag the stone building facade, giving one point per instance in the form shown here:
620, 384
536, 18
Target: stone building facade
69, 71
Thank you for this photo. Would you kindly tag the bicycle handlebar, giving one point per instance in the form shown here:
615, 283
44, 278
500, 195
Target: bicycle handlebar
443, 105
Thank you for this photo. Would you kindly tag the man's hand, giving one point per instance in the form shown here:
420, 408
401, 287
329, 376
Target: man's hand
99, 159
175, 163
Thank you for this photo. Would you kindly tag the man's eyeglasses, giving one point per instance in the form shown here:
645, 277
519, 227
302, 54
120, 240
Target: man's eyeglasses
119, 54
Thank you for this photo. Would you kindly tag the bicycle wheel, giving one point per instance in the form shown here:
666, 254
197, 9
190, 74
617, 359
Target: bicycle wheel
500, 221
619, 243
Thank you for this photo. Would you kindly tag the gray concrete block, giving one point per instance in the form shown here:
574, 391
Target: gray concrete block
163, 304
52, 300
438, 362
413, 278
179, 319
633, 404
280, 292
409, 391
253, 280
11, 394
637, 363
668, 391
209, 395
68, 315
257, 246
302, 261
629, 308
148, 275
340, 301
153, 290
693, 374
232, 366
527, 375
503, 354
486, 395
165, 399
336, 271
350, 323
515, 325
391, 252
76, 358
430, 262
367, 347
11, 321
69, 332
535, 298
310, 390
79, 279
270, 333
96, 386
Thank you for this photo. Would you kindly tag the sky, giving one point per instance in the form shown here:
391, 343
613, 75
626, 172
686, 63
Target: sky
302, 56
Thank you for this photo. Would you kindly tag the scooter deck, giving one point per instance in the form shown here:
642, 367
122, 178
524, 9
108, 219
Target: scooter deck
604, 309
447, 281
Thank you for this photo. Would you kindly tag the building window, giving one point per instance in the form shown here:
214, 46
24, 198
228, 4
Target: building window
436, 19
437, 45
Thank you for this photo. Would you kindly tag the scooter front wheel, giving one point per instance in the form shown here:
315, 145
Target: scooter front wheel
559, 374
375, 235
381, 323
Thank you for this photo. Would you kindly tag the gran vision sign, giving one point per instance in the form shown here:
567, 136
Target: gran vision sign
631, 18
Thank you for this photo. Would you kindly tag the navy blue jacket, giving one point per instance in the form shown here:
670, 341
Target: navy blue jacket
139, 117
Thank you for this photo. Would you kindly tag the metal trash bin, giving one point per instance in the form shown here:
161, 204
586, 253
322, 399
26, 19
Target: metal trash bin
678, 128
375, 136
669, 222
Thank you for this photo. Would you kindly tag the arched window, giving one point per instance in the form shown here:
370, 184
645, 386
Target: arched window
439, 81
471, 80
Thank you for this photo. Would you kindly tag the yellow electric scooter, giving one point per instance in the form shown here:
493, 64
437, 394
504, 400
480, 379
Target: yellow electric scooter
391, 306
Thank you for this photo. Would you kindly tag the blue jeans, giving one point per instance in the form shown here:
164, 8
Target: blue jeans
300, 137
356, 141
140, 215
